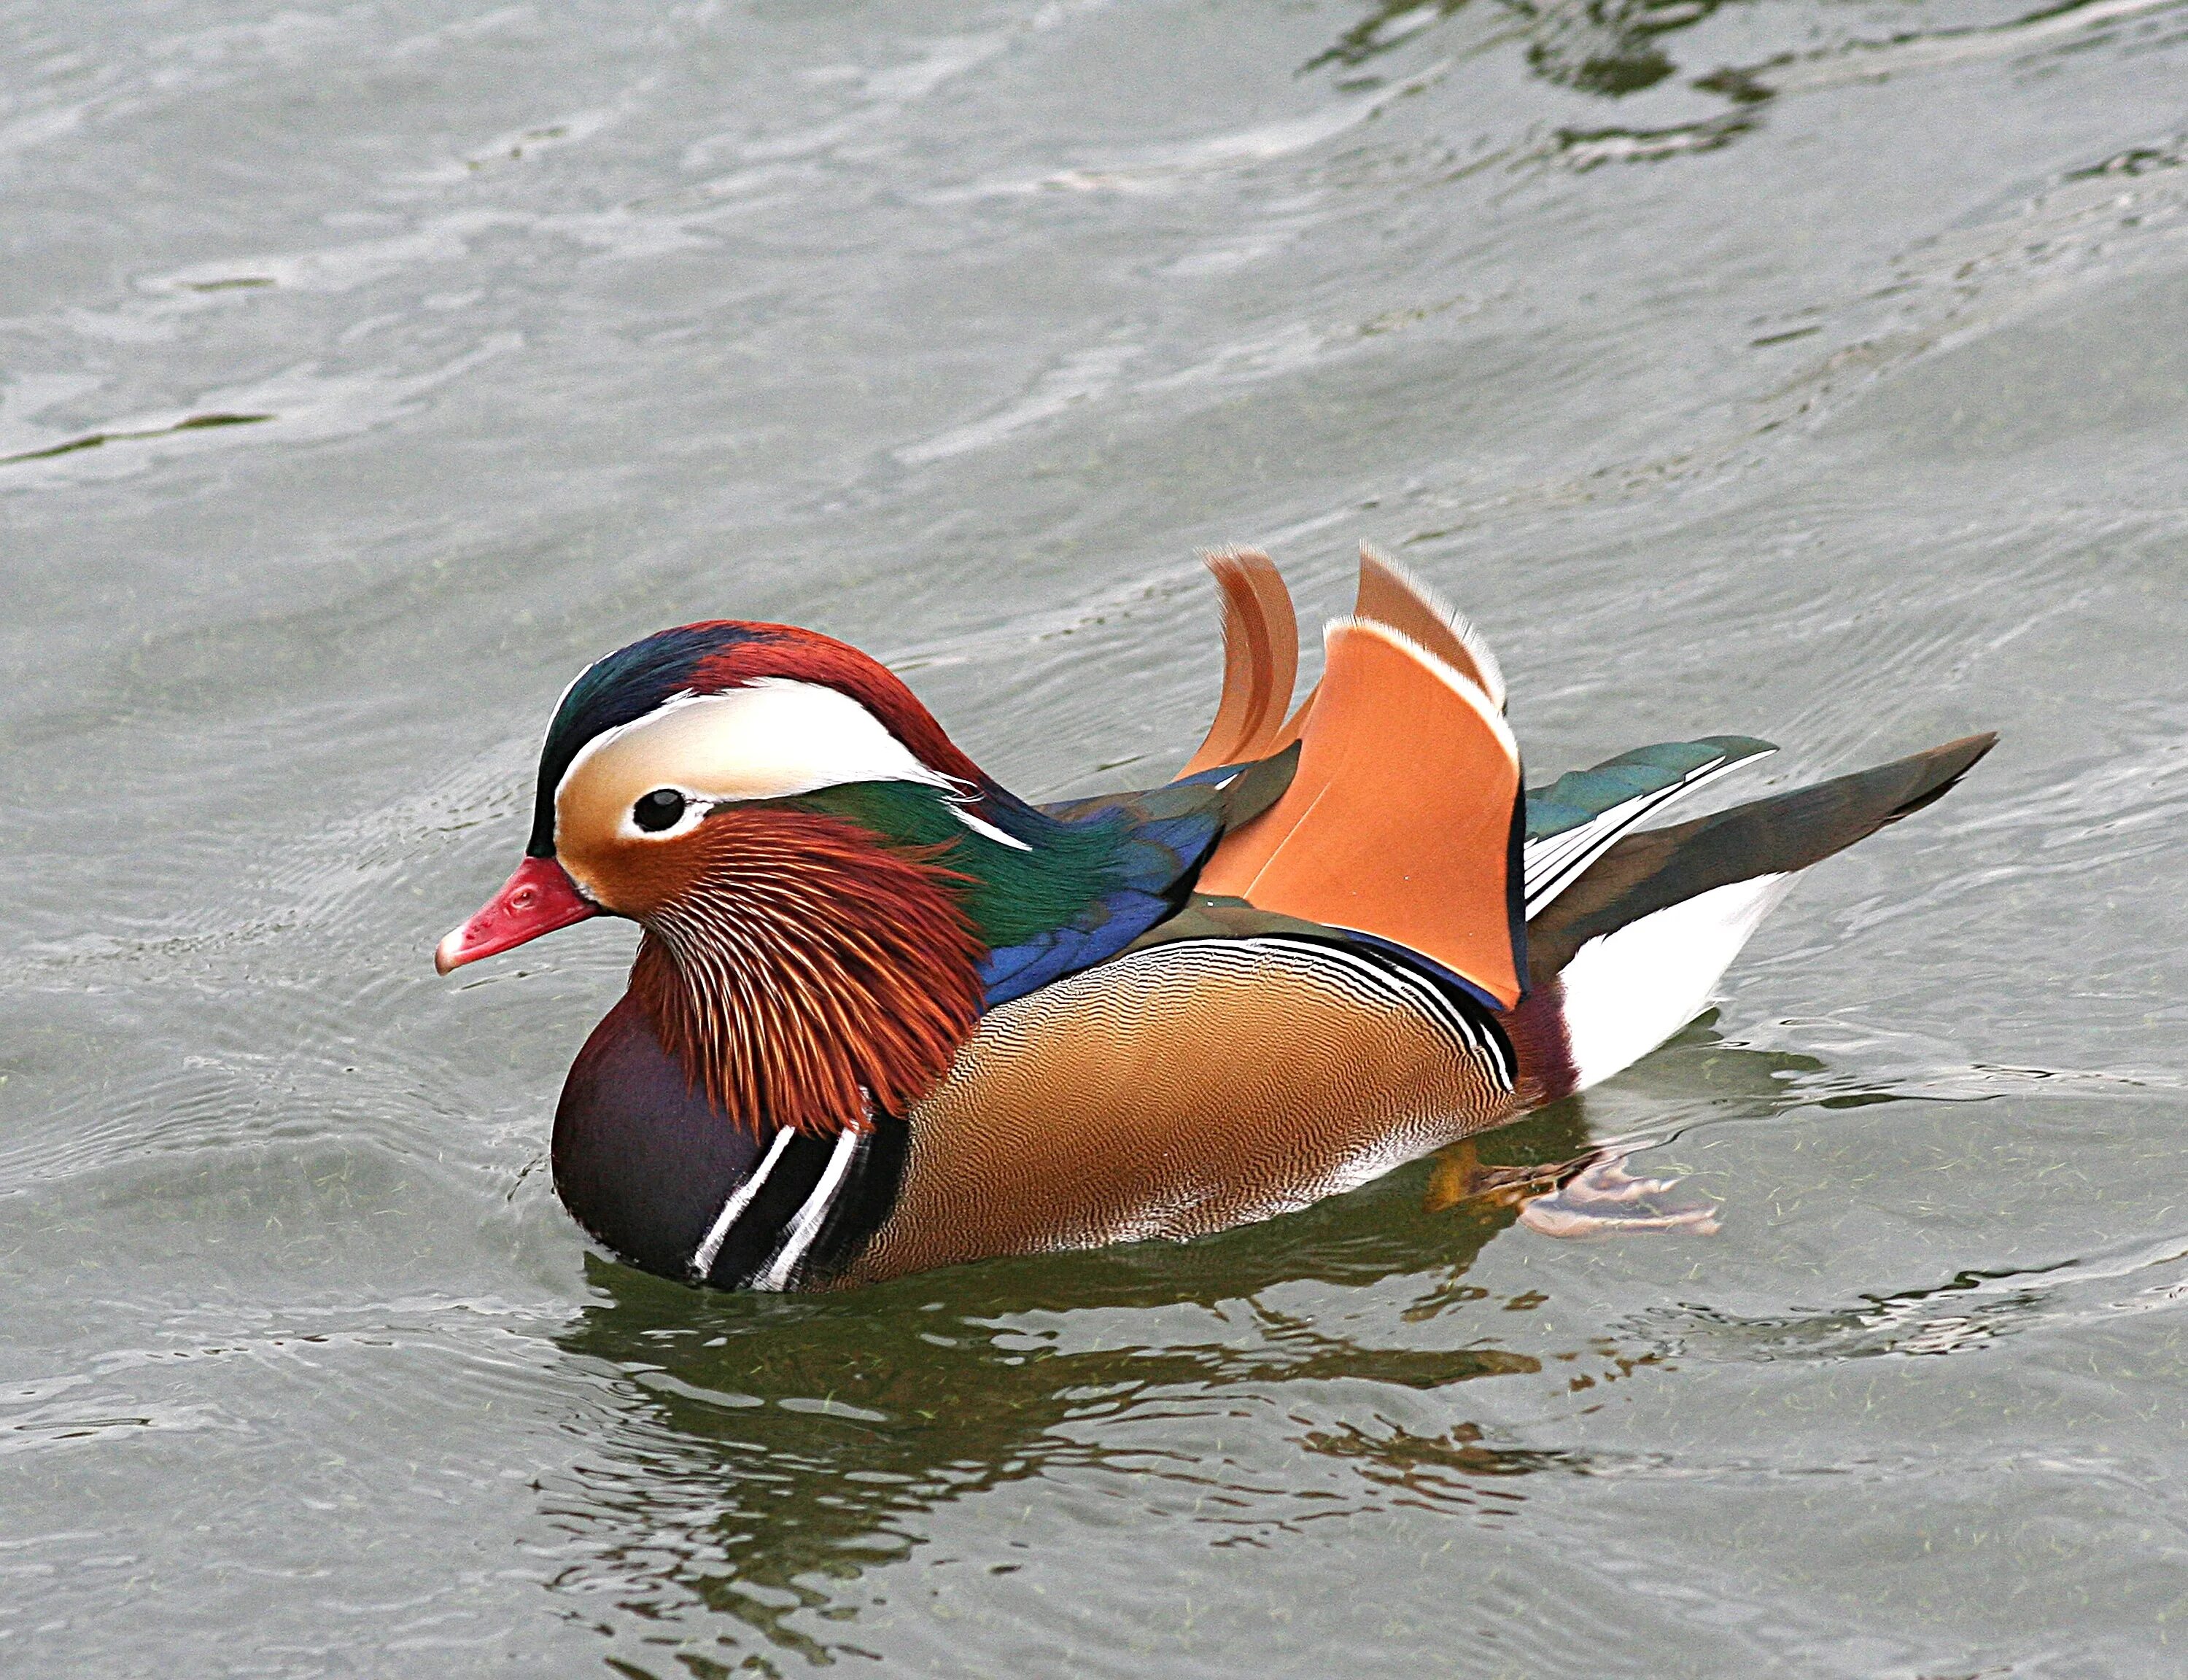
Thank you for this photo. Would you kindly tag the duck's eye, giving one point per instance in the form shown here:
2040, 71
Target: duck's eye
661, 808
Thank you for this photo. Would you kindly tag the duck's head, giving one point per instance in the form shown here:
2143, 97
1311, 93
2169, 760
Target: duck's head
797, 836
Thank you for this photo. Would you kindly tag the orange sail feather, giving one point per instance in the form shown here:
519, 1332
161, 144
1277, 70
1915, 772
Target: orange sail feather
1260, 660
1401, 820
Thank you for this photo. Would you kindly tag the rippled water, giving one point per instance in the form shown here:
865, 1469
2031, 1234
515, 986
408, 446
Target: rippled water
1809, 370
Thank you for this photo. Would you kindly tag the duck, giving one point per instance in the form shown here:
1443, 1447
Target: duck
886, 1016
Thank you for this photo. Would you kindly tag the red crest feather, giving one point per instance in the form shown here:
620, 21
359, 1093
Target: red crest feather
808, 656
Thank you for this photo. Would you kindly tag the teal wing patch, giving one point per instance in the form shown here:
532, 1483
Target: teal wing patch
1580, 815
1580, 795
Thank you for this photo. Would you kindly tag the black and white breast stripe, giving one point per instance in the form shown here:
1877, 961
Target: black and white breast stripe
810, 1203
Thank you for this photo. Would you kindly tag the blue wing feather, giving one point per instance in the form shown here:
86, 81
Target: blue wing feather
1171, 832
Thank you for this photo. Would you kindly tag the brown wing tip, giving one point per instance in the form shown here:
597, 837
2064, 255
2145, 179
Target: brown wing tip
1236, 558
1942, 767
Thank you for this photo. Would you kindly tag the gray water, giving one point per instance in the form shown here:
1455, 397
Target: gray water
1813, 370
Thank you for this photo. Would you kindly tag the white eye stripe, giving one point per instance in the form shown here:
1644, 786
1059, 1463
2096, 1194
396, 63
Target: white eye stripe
773, 738
696, 810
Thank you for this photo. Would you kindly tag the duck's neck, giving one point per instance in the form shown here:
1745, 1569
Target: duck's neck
825, 964
808, 976
1030, 875
743, 1115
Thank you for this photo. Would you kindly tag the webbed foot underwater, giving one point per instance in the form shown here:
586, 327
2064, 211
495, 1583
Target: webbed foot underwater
887, 1016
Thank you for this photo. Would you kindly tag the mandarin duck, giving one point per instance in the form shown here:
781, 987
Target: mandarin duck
887, 1016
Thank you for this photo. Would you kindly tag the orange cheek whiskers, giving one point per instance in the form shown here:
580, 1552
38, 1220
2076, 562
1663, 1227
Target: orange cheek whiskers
796, 967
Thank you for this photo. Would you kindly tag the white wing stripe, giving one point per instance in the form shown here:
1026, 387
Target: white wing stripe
1548, 856
1552, 865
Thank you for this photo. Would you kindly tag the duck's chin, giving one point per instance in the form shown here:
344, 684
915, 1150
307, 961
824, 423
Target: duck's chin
809, 975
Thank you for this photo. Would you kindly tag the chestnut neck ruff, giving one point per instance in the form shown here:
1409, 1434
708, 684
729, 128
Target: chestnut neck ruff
806, 974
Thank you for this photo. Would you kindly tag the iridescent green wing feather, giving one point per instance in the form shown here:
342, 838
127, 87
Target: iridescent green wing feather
1580, 815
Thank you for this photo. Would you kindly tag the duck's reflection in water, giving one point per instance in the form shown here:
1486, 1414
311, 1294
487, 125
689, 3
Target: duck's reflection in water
778, 1445
1609, 48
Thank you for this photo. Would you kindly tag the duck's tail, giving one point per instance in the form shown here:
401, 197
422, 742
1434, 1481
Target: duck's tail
1627, 954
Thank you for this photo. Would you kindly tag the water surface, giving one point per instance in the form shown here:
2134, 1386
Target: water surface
1807, 369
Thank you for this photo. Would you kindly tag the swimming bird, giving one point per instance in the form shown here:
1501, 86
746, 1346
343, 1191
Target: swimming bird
887, 1016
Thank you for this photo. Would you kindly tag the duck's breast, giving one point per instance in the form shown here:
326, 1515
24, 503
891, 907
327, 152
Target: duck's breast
642, 1160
